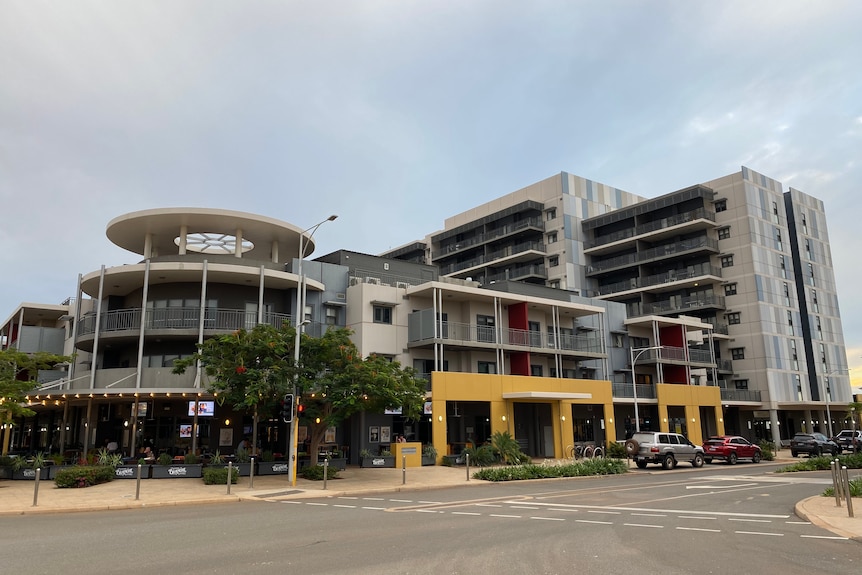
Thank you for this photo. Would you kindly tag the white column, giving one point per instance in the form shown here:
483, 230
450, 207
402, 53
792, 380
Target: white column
184, 232
274, 251
97, 329
237, 251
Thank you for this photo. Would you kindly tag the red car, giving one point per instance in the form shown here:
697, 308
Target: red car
731, 448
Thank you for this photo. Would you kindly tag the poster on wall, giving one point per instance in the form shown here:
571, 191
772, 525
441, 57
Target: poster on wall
329, 435
225, 437
384, 435
373, 434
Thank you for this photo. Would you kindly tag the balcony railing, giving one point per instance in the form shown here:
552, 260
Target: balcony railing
473, 333
502, 253
668, 250
180, 318
740, 395
490, 235
648, 227
661, 279
520, 272
624, 390
676, 305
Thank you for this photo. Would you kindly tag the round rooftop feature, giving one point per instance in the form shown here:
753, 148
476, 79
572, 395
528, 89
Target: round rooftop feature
213, 243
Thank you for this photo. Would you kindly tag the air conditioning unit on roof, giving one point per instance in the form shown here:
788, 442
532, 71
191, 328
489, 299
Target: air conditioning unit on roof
371, 280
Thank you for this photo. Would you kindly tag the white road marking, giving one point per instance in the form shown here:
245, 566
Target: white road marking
824, 537
347, 497
344, 506
464, 513
524, 507
643, 525
548, 518
759, 533
401, 500
720, 486
291, 502
649, 510
698, 517
648, 515
596, 522
375, 508
699, 529
489, 505
798, 522
318, 504
372, 498
506, 516
749, 520
428, 511
604, 512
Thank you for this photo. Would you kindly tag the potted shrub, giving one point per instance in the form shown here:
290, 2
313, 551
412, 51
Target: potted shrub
385, 459
269, 466
242, 461
5, 467
58, 462
429, 455
166, 468
25, 468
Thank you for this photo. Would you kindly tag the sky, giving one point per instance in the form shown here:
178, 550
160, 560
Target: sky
397, 114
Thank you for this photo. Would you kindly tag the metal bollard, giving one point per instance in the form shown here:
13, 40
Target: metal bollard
138, 486
251, 475
229, 475
467, 460
836, 482
403, 470
36, 487
846, 482
325, 470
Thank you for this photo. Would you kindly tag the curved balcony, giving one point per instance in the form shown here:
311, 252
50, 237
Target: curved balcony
185, 321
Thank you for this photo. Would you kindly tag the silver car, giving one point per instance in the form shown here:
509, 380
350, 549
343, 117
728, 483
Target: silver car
668, 449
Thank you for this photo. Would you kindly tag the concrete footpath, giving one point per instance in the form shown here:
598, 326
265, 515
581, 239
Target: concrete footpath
17, 497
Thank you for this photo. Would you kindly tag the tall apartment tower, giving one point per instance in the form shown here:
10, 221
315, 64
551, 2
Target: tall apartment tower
738, 252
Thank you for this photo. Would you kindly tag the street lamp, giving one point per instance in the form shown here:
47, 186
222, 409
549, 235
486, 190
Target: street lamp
640, 351
828, 414
299, 324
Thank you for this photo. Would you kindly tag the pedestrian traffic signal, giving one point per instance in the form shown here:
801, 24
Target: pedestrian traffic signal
300, 410
287, 408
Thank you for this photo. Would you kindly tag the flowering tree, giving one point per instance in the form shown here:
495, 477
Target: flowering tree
248, 369
252, 370
337, 383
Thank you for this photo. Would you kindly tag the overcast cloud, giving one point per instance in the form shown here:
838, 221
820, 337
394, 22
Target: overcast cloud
398, 114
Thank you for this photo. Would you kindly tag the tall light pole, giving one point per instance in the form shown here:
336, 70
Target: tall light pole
299, 323
828, 414
640, 351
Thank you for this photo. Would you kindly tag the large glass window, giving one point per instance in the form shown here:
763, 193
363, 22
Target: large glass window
382, 314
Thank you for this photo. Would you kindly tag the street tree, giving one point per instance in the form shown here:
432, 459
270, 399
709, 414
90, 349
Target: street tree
18, 377
336, 383
247, 369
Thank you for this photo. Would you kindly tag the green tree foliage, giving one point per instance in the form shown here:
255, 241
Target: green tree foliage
337, 383
253, 369
18, 373
248, 369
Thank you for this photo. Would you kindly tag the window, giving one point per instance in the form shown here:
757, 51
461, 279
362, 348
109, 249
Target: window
554, 284
737, 353
775, 212
536, 370
723, 233
814, 303
382, 314
309, 312
721, 206
782, 266
741, 384
487, 367
790, 321
778, 245
552, 237
485, 328
819, 328
730, 289
551, 214
331, 315
727, 261
804, 225
554, 261
617, 339
811, 274
786, 294
808, 248
733, 318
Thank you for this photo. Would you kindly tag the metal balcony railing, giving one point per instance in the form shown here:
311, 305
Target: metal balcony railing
740, 395
502, 253
648, 227
624, 390
668, 250
180, 318
661, 279
464, 332
490, 235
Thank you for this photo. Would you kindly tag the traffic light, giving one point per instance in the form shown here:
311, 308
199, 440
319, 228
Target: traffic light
300, 410
287, 408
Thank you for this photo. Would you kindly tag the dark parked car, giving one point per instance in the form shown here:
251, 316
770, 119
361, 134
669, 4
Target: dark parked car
845, 439
814, 444
730, 448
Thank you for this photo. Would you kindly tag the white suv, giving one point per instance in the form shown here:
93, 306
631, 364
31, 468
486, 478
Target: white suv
845, 439
665, 448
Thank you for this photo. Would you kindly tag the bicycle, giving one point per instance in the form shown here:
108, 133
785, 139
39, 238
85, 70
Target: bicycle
584, 452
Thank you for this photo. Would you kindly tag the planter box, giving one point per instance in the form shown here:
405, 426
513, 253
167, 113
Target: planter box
377, 461
176, 470
272, 468
5, 472
30, 474
131, 471
335, 462
429, 460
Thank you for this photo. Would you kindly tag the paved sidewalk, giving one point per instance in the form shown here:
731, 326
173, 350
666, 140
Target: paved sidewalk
17, 497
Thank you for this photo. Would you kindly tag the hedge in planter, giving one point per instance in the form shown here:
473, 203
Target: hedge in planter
315, 472
84, 475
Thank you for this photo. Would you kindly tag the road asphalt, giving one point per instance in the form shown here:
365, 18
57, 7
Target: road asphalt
22, 497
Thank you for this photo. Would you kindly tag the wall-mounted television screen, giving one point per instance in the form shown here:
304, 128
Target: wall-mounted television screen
205, 408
